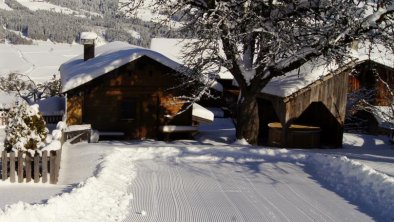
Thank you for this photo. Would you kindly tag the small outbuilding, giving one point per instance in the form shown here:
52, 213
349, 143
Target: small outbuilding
306, 107
130, 91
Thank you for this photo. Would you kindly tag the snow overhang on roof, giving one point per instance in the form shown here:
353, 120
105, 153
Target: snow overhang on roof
88, 35
111, 56
201, 114
293, 81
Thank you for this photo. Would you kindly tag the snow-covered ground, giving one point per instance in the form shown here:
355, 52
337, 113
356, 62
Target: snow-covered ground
210, 180
4, 6
40, 61
34, 5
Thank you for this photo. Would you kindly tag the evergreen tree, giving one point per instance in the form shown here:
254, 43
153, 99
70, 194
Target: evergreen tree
25, 129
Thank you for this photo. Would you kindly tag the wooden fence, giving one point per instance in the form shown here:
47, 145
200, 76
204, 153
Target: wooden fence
25, 167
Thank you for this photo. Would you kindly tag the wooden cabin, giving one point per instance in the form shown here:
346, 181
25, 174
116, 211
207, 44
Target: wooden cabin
304, 108
129, 91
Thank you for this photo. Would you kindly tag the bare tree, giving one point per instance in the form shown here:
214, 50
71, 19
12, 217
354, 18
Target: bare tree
27, 89
257, 40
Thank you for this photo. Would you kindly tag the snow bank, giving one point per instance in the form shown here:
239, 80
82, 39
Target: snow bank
100, 198
356, 182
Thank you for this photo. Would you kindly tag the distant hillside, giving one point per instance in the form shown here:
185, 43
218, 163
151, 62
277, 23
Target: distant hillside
62, 21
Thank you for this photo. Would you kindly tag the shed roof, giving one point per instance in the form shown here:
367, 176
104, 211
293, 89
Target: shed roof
111, 56
52, 106
293, 81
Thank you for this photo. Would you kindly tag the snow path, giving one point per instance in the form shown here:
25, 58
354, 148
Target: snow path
204, 188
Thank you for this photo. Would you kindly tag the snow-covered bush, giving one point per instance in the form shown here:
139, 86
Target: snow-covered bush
25, 129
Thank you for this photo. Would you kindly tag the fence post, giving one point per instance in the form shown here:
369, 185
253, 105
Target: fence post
28, 167
12, 167
4, 169
52, 167
20, 167
36, 167
57, 163
44, 166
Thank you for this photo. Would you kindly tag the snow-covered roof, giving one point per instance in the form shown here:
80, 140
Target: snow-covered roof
312, 71
378, 53
77, 72
292, 81
89, 35
201, 114
52, 106
295, 80
175, 49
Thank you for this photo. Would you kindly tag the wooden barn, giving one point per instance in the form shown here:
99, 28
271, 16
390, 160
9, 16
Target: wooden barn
130, 91
305, 108
373, 80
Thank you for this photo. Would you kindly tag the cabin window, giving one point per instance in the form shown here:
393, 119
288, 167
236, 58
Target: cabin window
128, 109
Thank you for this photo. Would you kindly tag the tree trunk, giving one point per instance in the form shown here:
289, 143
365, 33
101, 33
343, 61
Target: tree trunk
248, 119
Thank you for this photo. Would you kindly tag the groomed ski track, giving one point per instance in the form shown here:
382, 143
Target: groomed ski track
177, 189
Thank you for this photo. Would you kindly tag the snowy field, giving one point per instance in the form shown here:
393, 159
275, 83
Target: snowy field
195, 181
34, 5
40, 61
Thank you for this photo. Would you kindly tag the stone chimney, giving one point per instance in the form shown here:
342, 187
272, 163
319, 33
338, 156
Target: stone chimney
87, 39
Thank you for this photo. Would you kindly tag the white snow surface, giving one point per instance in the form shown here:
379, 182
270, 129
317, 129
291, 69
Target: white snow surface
76, 72
384, 114
7, 100
40, 61
35, 5
176, 128
88, 35
209, 180
4, 6
377, 53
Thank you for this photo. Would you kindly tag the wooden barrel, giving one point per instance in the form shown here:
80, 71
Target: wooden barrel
298, 136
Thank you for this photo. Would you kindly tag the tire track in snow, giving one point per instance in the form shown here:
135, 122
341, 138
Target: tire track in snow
22, 56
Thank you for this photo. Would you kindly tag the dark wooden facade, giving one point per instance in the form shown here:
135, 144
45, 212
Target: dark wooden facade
135, 99
365, 74
321, 104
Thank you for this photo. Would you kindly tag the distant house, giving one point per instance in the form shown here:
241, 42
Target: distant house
376, 92
127, 90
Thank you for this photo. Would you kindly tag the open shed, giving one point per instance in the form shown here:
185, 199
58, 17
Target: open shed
305, 107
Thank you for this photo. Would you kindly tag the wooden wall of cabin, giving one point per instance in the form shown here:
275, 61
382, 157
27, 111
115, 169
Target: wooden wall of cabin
364, 76
135, 99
